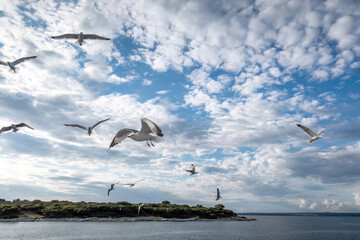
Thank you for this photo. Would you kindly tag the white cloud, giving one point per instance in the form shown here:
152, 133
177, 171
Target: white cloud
313, 205
303, 203
147, 82
357, 199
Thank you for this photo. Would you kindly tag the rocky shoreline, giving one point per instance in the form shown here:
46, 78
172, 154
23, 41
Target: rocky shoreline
122, 219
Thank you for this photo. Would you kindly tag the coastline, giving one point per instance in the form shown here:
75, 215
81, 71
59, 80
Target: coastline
122, 219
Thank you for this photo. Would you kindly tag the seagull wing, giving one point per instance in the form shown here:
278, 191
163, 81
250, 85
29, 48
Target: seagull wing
93, 36
66, 36
139, 181
307, 130
189, 171
193, 168
20, 60
99, 123
4, 129
3, 63
76, 125
148, 126
23, 125
121, 136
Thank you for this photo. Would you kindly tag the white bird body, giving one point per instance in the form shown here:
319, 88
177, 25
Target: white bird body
313, 135
147, 128
192, 171
80, 37
11, 65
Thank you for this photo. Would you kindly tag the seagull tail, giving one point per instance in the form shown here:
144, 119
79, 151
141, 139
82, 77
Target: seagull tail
310, 140
155, 139
78, 43
16, 69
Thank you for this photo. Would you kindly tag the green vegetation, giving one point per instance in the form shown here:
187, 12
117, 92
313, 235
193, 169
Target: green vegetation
66, 209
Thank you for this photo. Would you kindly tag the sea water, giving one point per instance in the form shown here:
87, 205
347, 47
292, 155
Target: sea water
266, 227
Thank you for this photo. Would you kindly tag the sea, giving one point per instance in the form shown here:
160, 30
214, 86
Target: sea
265, 227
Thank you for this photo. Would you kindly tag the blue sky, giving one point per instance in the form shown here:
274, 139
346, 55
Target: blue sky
227, 81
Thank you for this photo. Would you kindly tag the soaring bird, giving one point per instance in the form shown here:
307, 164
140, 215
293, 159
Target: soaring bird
147, 127
11, 65
87, 129
133, 184
217, 194
80, 37
14, 127
192, 171
139, 208
313, 135
111, 188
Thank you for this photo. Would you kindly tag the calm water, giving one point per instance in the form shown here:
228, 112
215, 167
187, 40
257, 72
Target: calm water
266, 227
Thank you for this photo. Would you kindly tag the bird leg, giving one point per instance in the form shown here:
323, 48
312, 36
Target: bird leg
152, 143
147, 143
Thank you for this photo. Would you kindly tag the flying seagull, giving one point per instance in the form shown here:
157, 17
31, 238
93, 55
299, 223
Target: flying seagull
147, 127
217, 194
192, 171
313, 135
133, 184
87, 129
139, 208
80, 37
111, 188
14, 127
11, 65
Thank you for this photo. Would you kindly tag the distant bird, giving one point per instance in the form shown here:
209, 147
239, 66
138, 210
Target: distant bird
11, 65
87, 129
217, 194
80, 37
14, 127
111, 188
313, 135
133, 184
139, 208
192, 171
147, 127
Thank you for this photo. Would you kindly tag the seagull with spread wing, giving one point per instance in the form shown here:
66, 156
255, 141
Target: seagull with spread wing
133, 184
11, 65
139, 208
112, 187
87, 129
192, 171
217, 194
14, 127
80, 37
147, 128
313, 135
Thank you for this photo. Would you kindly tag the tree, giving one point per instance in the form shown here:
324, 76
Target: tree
219, 206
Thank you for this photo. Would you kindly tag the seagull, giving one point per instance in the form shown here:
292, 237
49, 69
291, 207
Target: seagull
11, 65
14, 127
80, 37
147, 127
139, 208
192, 171
133, 184
87, 129
217, 194
311, 133
111, 187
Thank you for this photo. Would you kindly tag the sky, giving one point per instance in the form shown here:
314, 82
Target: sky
227, 82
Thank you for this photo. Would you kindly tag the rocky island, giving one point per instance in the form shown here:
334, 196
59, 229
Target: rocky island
55, 210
